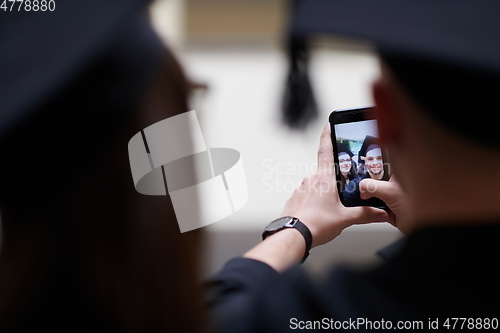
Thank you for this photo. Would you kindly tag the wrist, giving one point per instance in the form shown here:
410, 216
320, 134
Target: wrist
290, 222
280, 250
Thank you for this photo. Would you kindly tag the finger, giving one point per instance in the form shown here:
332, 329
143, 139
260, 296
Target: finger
376, 188
365, 214
325, 152
392, 218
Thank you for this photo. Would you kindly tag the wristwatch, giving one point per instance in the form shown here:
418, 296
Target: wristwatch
290, 222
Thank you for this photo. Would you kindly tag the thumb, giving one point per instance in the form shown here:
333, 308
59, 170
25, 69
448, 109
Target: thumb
365, 214
375, 188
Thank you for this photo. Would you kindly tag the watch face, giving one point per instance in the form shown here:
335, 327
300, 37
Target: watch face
278, 224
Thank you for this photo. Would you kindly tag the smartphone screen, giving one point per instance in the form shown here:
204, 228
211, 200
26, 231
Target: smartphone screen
357, 154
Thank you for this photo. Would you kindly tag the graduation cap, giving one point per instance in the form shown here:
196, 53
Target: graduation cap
445, 52
42, 53
369, 143
343, 148
69, 79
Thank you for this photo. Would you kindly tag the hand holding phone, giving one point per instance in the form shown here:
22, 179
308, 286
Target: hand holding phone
317, 205
395, 198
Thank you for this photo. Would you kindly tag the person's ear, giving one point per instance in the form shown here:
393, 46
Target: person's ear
387, 112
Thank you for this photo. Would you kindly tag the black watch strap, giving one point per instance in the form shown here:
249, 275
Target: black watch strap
304, 230
301, 227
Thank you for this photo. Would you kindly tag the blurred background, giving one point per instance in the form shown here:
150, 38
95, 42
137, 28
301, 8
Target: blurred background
236, 48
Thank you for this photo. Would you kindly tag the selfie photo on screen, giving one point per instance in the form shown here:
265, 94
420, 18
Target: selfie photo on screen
359, 156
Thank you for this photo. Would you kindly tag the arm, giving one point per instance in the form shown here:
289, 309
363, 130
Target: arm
231, 293
316, 203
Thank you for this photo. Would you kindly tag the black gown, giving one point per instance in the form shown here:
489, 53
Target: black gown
438, 274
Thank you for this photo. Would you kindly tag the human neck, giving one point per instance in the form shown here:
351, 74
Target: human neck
467, 201
442, 181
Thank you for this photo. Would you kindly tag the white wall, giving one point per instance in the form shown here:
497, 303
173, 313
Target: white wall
242, 111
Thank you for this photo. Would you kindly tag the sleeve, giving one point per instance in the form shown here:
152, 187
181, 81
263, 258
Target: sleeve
249, 296
231, 294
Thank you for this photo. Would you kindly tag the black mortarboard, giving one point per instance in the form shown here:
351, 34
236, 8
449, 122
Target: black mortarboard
369, 143
69, 80
439, 49
41, 53
343, 148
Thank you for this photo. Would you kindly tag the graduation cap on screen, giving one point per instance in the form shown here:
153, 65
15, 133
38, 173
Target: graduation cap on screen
369, 143
343, 148
453, 36
41, 53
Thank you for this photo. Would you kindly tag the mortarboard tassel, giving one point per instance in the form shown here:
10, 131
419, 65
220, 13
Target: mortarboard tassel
299, 106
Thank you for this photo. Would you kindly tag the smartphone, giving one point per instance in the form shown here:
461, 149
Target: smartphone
357, 154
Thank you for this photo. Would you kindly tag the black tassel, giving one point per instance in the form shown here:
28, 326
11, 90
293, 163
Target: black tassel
299, 106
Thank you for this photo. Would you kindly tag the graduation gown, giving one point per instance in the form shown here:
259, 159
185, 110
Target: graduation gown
351, 194
436, 275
